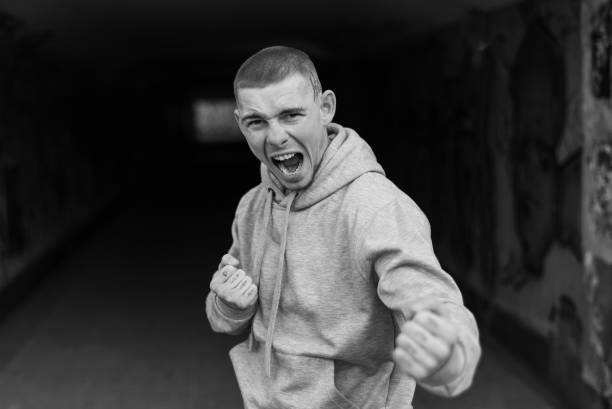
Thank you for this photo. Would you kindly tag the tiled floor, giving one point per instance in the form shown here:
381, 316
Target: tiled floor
121, 325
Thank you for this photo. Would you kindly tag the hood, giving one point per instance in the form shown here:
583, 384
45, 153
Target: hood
346, 158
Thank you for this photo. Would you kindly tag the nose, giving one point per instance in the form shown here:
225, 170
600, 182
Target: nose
277, 136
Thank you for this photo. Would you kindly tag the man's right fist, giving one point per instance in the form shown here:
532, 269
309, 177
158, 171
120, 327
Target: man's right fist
232, 285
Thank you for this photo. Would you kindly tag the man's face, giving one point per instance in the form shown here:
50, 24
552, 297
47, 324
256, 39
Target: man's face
285, 127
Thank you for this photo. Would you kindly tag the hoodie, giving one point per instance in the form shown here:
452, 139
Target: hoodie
337, 265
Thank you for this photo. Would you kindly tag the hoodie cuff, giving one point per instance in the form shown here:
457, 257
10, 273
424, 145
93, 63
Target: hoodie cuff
231, 313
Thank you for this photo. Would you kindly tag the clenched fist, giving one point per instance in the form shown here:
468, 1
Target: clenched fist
426, 347
232, 285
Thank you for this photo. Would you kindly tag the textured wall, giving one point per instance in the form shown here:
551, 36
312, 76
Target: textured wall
498, 105
525, 123
597, 194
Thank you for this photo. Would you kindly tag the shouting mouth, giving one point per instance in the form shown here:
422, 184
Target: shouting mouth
289, 163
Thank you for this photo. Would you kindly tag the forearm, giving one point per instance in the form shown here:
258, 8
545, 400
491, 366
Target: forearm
226, 319
403, 282
396, 245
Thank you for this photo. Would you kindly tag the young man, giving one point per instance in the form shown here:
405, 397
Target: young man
332, 268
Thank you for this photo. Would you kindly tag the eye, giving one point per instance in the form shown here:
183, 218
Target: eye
292, 116
254, 123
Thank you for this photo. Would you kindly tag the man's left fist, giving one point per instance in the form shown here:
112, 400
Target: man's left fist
426, 348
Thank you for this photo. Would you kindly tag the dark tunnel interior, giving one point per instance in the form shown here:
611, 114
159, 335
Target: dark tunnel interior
121, 167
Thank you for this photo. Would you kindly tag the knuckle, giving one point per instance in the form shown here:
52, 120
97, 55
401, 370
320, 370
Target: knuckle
446, 350
419, 315
407, 326
421, 373
422, 317
430, 364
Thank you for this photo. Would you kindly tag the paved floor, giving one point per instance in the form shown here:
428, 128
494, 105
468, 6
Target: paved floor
121, 323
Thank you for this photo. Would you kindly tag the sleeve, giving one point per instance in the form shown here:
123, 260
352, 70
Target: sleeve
396, 245
222, 317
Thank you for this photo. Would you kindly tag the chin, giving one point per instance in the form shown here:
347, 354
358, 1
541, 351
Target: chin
297, 185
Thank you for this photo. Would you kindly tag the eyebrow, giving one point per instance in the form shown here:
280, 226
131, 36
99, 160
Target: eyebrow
251, 116
295, 110
292, 110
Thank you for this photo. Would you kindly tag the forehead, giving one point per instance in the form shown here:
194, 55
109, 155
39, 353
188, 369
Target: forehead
293, 91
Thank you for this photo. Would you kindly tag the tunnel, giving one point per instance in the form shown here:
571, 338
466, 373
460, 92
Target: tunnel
122, 165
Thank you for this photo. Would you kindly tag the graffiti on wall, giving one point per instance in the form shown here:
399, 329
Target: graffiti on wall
599, 200
601, 51
538, 91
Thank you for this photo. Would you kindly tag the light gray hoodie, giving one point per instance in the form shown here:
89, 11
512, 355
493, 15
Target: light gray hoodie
336, 265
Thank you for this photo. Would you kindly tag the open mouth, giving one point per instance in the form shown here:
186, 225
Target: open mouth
289, 163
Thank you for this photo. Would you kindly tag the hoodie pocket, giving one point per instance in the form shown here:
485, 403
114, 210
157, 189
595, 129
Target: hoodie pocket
297, 382
304, 382
340, 401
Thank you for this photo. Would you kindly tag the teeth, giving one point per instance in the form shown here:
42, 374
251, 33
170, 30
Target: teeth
284, 157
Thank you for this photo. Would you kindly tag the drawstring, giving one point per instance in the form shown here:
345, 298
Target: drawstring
263, 239
277, 288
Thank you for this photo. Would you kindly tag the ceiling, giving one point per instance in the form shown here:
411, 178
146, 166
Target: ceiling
110, 32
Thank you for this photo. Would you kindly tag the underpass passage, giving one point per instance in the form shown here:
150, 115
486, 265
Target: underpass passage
121, 322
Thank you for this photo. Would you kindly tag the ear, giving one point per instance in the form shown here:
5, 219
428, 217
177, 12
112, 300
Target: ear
327, 106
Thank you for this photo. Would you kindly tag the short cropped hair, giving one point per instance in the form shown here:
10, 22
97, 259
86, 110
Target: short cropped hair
274, 64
